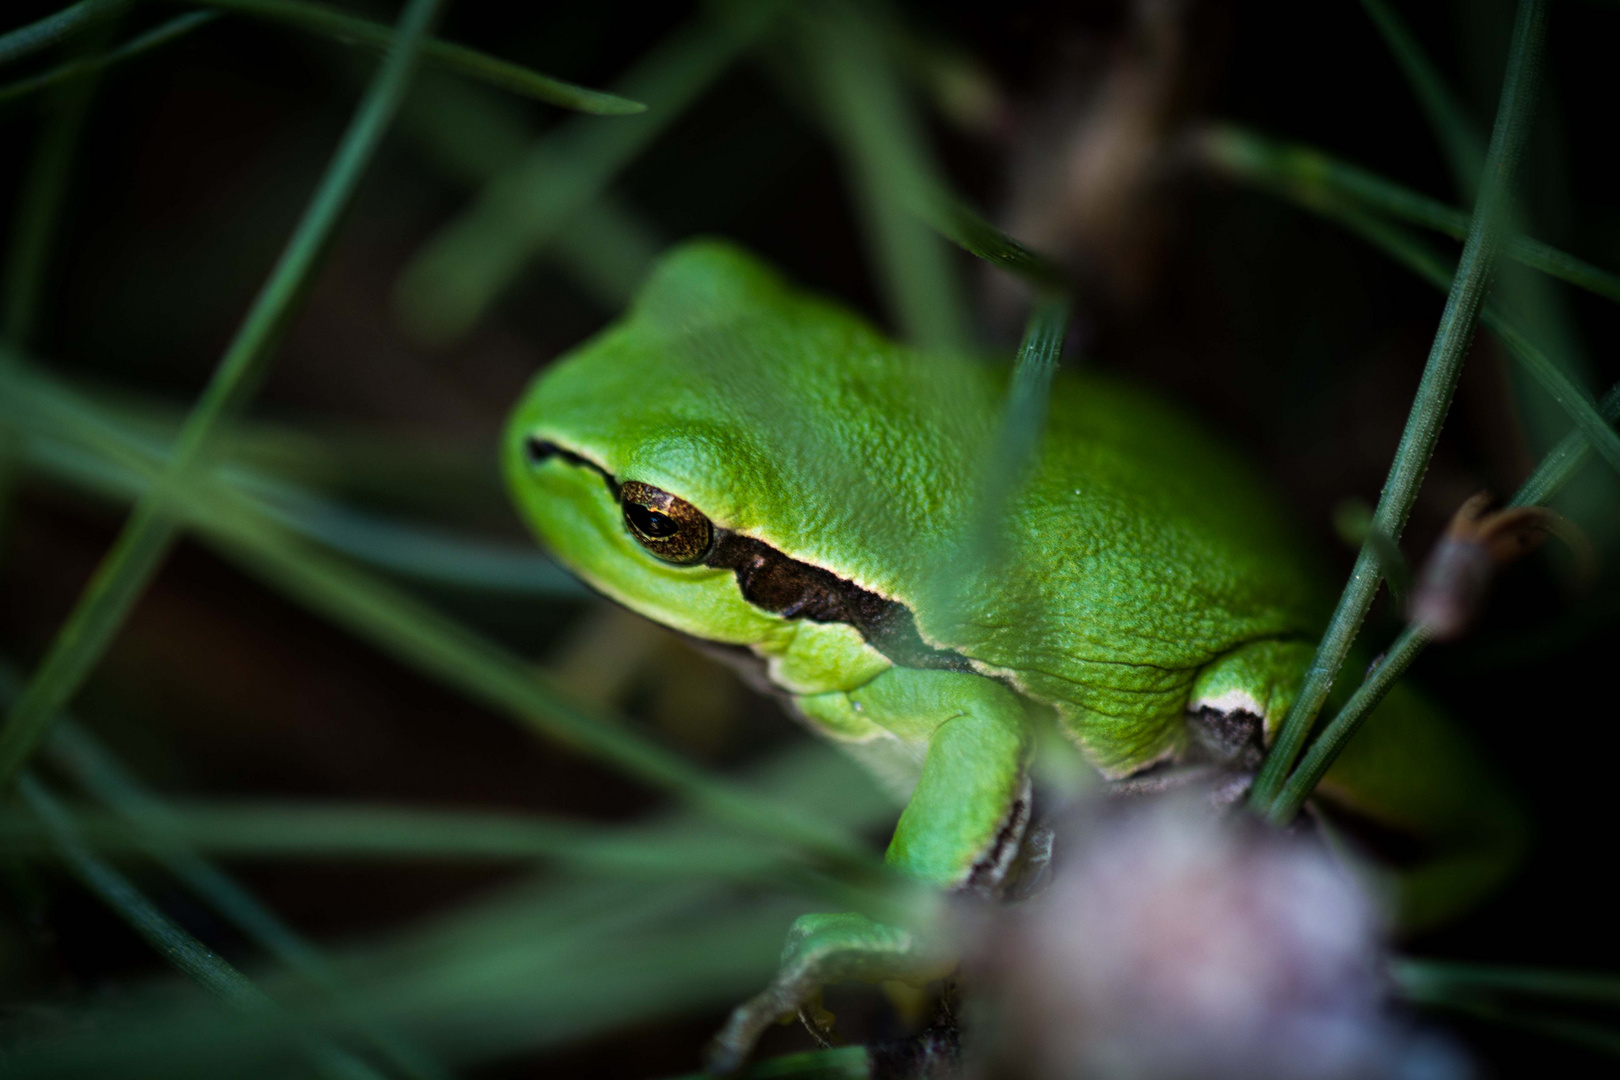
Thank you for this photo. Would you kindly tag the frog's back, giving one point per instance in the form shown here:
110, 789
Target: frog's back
1140, 550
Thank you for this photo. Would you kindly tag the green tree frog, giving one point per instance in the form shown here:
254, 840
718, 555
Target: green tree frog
762, 469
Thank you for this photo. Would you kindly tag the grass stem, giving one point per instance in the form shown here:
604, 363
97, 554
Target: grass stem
1433, 398
194, 959
891, 172
447, 55
77, 753
159, 35
136, 554
1320, 182
436, 646
1553, 472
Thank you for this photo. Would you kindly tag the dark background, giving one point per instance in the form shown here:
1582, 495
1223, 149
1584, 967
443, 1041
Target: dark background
1278, 328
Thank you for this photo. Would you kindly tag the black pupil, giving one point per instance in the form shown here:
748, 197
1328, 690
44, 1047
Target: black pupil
651, 523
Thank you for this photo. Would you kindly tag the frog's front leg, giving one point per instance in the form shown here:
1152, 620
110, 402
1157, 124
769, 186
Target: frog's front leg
960, 830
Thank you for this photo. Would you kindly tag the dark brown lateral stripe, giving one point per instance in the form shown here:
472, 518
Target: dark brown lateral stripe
795, 590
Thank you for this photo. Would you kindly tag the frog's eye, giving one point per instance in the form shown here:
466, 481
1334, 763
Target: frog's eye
670, 528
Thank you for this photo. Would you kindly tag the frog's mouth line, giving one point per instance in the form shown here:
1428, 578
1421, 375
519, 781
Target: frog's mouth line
792, 589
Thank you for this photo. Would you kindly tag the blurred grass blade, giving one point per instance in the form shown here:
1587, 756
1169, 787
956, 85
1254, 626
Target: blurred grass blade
891, 171
466, 267
46, 32
1576, 402
307, 830
538, 963
194, 959
45, 185
77, 753
435, 645
140, 547
1425, 979
1433, 397
1320, 182
425, 554
970, 232
512, 988
448, 652
1537, 308
1462, 147
350, 30
141, 43
473, 136
1007, 464
1558, 466
1505, 995
1550, 476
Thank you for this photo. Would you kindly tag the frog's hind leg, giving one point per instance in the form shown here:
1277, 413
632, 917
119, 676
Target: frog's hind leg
1236, 703
1251, 686
1409, 803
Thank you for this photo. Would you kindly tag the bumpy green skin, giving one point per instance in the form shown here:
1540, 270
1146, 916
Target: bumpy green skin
1143, 570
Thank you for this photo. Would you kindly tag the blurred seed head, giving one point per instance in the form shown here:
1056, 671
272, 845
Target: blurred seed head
1477, 545
1174, 943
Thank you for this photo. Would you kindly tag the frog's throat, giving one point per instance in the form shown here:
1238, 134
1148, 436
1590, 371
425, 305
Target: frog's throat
792, 589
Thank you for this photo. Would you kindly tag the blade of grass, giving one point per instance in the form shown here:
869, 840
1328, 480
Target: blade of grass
305, 830
545, 962
1018, 437
457, 481
317, 19
426, 640
44, 187
891, 170
1231, 147
1484, 992
473, 136
1464, 152
428, 555
1427, 264
631, 959
11, 467
53, 28
518, 969
77, 753
970, 232
1537, 308
1433, 398
465, 268
1551, 475
350, 30
1429, 979
151, 39
1317, 181
135, 556
1603, 1038
194, 959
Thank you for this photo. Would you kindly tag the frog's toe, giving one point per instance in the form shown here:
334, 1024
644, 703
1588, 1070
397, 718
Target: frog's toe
747, 1022
822, 950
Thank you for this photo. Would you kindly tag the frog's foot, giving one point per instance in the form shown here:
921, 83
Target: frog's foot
822, 950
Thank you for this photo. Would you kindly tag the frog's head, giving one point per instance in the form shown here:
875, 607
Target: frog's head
728, 419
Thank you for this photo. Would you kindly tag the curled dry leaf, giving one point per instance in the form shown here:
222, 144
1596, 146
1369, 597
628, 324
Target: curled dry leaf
1477, 545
